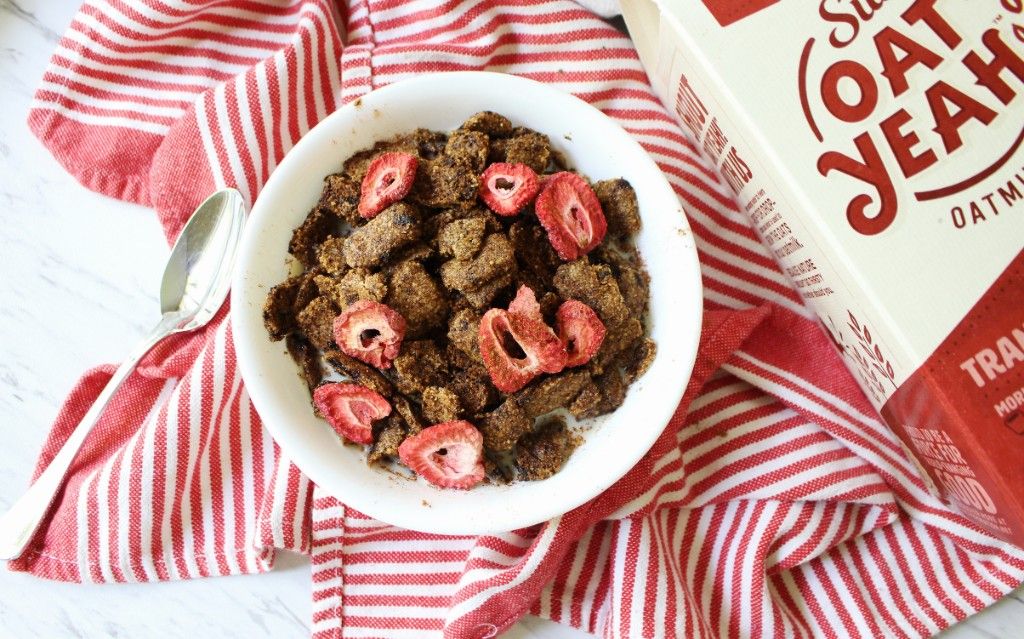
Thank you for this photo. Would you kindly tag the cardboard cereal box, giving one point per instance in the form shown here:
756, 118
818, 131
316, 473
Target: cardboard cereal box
878, 148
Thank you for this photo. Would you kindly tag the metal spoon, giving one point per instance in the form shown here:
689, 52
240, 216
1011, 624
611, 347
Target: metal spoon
195, 283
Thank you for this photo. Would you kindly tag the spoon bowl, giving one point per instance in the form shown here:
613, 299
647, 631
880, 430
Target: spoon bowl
195, 281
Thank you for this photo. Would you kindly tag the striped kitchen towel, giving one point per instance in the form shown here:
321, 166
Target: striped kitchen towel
775, 503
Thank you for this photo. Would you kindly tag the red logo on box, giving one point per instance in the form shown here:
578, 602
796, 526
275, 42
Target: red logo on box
729, 11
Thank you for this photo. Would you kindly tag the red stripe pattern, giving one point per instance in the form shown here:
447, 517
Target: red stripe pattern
774, 504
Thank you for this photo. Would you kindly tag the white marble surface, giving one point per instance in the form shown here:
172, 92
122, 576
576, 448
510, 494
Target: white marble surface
71, 299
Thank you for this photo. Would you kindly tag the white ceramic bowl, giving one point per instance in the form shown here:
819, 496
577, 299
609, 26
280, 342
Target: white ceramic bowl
595, 146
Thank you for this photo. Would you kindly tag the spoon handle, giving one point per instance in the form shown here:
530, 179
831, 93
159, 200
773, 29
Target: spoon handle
18, 525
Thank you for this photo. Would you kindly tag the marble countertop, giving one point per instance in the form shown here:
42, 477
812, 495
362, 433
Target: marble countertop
76, 294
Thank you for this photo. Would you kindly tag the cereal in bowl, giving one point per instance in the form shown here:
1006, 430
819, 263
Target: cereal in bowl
458, 293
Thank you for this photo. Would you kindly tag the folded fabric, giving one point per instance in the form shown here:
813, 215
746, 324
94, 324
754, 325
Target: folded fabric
775, 503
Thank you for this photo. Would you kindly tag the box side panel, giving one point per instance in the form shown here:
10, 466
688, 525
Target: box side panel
962, 412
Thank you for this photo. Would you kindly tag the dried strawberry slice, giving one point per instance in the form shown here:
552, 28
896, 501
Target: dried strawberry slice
370, 332
516, 348
580, 330
448, 455
571, 214
351, 409
388, 179
508, 188
526, 304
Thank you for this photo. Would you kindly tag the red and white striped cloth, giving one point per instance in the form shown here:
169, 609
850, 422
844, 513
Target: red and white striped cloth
774, 504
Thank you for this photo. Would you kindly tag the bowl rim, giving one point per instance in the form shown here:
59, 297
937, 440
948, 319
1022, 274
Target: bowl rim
243, 326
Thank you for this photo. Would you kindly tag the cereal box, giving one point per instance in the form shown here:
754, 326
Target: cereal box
878, 149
